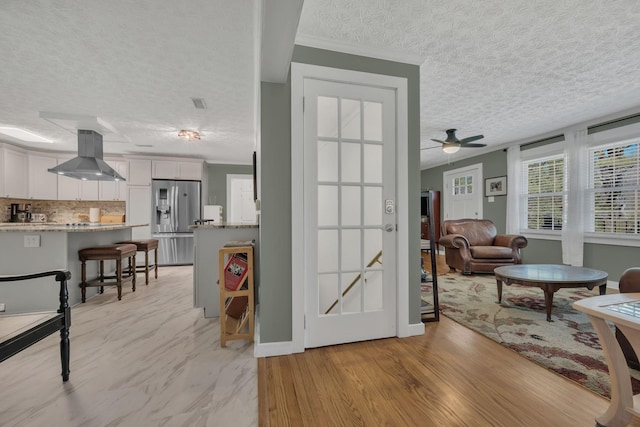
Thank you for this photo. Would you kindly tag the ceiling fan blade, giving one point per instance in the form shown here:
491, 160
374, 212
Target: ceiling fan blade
437, 140
472, 145
429, 148
471, 138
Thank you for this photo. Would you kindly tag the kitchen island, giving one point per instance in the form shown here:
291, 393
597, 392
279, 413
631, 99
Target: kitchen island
33, 248
208, 239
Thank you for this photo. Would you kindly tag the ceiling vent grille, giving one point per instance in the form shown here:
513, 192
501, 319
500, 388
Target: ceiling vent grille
199, 103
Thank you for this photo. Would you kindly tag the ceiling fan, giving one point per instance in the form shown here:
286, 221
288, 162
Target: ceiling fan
452, 144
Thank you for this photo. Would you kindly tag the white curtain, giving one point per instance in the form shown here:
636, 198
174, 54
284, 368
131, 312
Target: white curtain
514, 175
577, 180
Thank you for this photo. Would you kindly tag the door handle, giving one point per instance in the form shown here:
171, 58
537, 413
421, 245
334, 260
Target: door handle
388, 228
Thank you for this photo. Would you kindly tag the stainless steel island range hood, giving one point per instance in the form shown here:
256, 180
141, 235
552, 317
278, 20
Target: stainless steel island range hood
89, 164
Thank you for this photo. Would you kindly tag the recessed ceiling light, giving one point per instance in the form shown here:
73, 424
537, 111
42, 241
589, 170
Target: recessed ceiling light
23, 135
189, 135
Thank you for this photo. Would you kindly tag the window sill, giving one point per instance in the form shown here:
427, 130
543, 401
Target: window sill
594, 238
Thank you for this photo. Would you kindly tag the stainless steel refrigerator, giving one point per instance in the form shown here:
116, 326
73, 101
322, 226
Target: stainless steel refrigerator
175, 205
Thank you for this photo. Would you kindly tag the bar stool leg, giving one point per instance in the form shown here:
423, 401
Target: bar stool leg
83, 283
156, 261
146, 267
101, 289
132, 260
119, 278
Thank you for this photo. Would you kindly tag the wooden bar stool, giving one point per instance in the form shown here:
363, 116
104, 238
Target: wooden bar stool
146, 245
116, 253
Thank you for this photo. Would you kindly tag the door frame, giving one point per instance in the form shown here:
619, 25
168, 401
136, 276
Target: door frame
399, 84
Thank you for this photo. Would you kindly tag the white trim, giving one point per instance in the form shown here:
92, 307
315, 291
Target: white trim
273, 349
298, 73
415, 329
358, 49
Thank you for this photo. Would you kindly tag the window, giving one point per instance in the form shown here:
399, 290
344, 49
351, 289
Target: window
614, 184
545, 184
463, 185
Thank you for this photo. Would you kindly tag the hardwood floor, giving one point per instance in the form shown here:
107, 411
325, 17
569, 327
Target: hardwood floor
450, 376
150, 359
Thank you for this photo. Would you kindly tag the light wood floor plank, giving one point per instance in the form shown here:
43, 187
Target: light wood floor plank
150, 359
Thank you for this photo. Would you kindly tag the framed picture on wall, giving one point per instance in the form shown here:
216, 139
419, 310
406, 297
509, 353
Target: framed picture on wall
495, 186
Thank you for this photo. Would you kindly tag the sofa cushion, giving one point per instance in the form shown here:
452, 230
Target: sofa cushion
477, 232
491, 252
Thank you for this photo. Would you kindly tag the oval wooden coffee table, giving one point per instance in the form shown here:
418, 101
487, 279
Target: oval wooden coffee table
550, 278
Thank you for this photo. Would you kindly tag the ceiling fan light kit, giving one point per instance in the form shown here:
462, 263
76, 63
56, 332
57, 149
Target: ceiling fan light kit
452, 144
450, 148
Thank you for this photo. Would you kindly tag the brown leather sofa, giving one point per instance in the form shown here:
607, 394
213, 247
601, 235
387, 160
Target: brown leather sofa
629, 282
474, 246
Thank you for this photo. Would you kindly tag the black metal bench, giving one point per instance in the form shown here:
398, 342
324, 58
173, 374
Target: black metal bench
45, 325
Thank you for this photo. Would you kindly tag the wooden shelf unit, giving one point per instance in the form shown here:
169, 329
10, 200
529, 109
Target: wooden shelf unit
231, 328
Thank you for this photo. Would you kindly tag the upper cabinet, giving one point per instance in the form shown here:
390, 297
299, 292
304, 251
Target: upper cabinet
139, 172
115, 190
170, 169
42, 184
14, 173
76, 189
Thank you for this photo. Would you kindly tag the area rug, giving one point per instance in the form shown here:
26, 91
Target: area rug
568, 345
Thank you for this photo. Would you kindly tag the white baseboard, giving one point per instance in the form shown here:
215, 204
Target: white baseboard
416, 329
272, 349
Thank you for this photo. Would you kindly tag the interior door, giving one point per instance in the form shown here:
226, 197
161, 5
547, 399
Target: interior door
349, 213
463, 192
241, 206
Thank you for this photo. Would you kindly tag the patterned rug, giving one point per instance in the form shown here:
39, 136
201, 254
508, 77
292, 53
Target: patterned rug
568, 345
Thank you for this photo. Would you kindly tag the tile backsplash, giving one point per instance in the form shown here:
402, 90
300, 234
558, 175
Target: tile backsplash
63, 211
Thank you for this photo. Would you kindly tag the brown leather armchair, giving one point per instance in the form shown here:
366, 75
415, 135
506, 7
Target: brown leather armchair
629, 282
473, 246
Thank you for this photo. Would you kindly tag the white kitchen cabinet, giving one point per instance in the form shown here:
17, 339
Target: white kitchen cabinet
114, 190
170, 169
76, 189
139, 172
15, 175
43, 185
190, 170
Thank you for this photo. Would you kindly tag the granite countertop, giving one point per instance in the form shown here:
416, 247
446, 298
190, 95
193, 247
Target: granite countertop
223, 225
52, 227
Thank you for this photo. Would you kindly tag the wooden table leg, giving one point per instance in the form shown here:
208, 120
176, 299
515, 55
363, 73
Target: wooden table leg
499, 283
548, 302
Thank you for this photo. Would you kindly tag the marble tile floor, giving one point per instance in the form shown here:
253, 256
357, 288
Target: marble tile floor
150, 359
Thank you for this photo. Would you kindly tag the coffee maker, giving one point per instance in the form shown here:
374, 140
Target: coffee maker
20, 212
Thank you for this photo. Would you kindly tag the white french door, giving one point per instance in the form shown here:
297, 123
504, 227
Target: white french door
349, 212
462, 196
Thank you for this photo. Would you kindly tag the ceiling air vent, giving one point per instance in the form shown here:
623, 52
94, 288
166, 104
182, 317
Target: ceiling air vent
199, 103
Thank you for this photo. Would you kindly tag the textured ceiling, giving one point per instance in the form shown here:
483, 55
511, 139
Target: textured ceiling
510, 70
134, 65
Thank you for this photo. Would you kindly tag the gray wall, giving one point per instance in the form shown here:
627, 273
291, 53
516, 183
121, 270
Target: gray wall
275, 177
612, 259
493, 164
218, 183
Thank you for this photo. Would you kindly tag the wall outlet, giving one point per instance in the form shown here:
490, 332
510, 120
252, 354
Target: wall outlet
32, 241
2, 306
